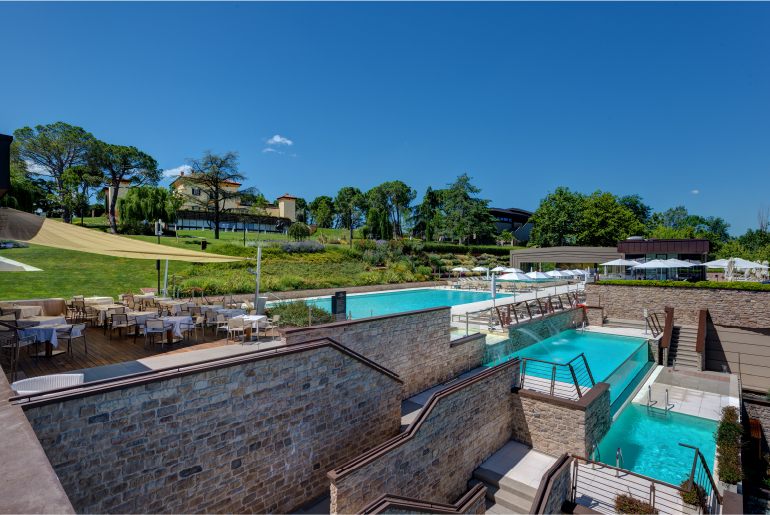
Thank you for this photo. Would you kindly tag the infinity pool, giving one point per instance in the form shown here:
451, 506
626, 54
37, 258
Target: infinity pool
649, 439
612, 359
376, 304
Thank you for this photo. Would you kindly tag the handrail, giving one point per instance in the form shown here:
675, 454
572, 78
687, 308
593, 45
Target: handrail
274, 295
567, 367
700, 339
618, 461
666, 340
699, 454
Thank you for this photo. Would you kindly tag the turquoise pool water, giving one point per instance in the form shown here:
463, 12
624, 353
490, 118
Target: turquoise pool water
616, 360
376, 304
650, 438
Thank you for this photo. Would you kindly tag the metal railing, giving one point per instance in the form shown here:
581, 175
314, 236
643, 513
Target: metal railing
662, 497
653, 322
568, 380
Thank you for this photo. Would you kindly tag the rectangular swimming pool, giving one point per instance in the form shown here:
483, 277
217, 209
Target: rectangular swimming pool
649, 439
376, 304
612, 359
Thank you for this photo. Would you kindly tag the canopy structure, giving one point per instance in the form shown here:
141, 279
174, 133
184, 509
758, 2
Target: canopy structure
21, 226
681, 264
739, 263
9, 265
620, 262
513, 276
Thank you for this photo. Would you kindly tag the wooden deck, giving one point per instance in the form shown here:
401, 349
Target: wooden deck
105, 351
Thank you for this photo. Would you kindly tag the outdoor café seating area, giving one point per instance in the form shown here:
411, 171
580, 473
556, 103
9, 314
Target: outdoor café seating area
40, 337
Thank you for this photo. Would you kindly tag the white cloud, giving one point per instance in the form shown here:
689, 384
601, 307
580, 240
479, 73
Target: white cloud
176, 172
278, 140
694, 192
269, 150
293, 155
36, 168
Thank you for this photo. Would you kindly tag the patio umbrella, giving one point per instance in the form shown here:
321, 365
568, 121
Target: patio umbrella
482, 269
538, 275
620, 262
516, 270
557, 274
513, 276
681, 264
459, 269
498, 269
739, 263
656, 263
9, 265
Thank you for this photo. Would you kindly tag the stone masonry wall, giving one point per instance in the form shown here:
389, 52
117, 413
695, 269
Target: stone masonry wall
251, 437
760, 410
414, 345
466, 355
560, 490
550, 426
595, 316
463, 429
727, 307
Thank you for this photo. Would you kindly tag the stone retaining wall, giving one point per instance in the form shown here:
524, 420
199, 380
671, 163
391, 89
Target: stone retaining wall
465, 354
414, 345
727, 307
554, 425
458, 429
254, 434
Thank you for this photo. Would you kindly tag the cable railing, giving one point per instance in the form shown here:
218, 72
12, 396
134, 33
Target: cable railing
570, 380
600, 487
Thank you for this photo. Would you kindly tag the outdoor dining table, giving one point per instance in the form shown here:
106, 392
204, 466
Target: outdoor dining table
250, 322
175, 322
28, 311
102, 309
46, 332
54, 306
95, 301
230, 313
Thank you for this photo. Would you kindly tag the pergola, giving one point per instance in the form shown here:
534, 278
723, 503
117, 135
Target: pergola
564, 255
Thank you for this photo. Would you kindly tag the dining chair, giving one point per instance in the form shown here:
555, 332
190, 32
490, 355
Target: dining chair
120, 321
66, 335
236, 325
153, 327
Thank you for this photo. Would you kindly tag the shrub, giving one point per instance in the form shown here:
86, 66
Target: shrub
424, 270
135, 228
691, 498
298, 231
734, 285
296, 313
472, 249
728, 439
301, 246
627, 504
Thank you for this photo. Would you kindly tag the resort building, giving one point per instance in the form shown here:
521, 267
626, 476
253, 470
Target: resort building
514, 220
122, 190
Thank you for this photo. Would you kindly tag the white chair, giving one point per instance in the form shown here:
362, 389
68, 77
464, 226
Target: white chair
193, 325
236, 325
153, 327
42, 383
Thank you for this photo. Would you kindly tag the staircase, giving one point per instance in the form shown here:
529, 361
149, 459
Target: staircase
683, 340
509, 495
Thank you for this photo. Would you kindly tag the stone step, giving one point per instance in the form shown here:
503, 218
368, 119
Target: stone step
505, 483
510, 502
620, 322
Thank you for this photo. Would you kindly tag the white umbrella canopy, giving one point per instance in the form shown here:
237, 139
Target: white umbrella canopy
513, 276
481, 269
557, 273
460, 269
9, 265
516, 270
579, 272
681, 264
620, 262
739, 263
499, 269
656, 263
538, 275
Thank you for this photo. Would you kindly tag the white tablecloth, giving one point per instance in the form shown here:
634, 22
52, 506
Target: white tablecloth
102, 309
28, 311
93, 301
230, 313
251, 319
176, 321
46, 333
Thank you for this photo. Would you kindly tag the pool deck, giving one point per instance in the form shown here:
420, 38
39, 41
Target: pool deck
688, 394
623, 331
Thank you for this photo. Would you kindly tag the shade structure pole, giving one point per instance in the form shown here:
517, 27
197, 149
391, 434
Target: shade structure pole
256, 286
165, 281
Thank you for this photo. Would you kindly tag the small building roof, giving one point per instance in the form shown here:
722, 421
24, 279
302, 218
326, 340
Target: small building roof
287, 197
192, 177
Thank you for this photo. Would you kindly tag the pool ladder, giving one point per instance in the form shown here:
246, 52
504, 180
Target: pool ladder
618, 462
595, 455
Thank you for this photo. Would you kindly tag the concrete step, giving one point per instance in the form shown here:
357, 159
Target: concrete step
510, 502
505, 483
620, 322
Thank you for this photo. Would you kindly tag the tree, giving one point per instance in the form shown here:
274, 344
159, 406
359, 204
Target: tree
82, 179
119, 163
217, 178
605, 221
349, 204
557, 220
300, 209
640, 210
25, 193
322, 210
145, 203
427, 216
467, 216
299, 231
55, 148
674, 217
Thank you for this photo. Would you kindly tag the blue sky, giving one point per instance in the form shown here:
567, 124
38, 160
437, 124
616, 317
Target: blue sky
658, 99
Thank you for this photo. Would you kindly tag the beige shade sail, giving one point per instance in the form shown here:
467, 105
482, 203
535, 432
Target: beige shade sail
21, 226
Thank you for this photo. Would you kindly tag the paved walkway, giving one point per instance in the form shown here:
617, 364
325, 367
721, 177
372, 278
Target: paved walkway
698, 396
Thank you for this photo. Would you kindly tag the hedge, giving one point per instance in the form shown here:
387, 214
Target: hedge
465, 249
728, 439
733, 285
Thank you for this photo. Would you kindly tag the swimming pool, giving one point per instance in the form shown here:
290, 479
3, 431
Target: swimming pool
650, 438
612, 359
376, 304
